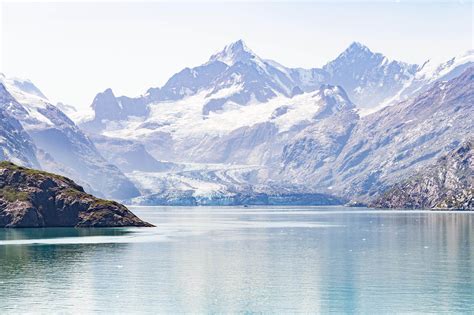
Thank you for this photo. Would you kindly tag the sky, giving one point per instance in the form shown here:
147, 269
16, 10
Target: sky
73, 50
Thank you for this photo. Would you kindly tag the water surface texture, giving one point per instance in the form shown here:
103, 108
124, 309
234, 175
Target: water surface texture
245, 260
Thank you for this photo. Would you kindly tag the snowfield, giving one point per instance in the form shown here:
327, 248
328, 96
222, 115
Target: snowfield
240, 124
183, 119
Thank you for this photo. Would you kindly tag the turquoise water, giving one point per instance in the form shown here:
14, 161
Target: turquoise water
246, 260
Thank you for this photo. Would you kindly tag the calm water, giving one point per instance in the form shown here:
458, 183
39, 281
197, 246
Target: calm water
245, 260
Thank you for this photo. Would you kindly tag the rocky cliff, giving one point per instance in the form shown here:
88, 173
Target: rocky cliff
31, 198
449, 184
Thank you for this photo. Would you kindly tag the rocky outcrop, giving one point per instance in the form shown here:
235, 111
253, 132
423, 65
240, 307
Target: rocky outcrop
31, 198
449, 184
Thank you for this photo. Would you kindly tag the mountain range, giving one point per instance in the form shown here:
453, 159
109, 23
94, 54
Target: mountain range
39, 134
240, 126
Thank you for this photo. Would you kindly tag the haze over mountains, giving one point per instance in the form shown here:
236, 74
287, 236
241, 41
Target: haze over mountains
240, 126
39, 134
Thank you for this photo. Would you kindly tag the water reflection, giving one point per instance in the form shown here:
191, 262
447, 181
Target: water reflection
255, 260
45, 233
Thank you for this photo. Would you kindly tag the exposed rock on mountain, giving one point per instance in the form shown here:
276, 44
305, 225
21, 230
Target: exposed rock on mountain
316, 139
129, 155
108, 107
15, 144
431, 72
394, 142
236, 75
240, 124
31, 198
67, 150
368, 78
318, 145
448, 184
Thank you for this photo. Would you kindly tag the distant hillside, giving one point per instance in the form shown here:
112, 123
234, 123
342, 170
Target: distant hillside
449, 184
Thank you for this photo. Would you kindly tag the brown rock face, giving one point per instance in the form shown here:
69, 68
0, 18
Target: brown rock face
31, 198
448, 184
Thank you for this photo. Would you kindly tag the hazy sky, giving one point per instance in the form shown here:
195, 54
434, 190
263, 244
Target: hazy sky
72, 50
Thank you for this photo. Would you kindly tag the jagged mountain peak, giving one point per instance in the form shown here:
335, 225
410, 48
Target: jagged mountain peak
21, 85
369, 78
24, 90
239, 45
357, 46
108, 91
434, 69
235, 52
105, 104
106, 95
356, 51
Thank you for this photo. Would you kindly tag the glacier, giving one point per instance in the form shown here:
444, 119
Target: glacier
241, 129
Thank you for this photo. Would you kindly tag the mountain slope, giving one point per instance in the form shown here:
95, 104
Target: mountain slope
240, 162
237, 76
61, 146
15, 144
448, 184
369, 78
376, 122
129, 155
393, 142
233, 76
317, 145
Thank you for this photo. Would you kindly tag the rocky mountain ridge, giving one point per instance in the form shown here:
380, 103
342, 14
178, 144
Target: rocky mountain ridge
391, 143
15, 142
370, 80
448, 184
241, 125
52, 141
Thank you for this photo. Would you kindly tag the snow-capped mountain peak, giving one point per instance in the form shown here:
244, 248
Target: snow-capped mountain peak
35, 132
28, 87
236, 77
355, 54
368, 77
30, 105
236, 52
24, 90
434, 69
357, 47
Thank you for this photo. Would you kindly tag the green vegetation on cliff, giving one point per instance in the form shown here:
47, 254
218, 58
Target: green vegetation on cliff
33, 198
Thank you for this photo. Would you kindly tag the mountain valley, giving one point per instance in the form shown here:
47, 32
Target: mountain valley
240, 128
